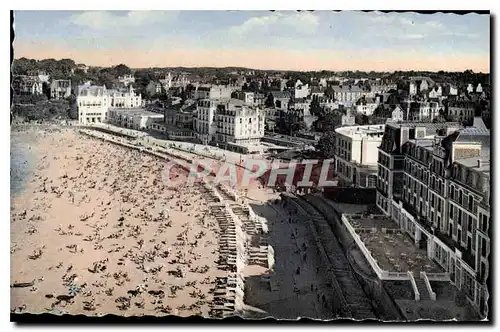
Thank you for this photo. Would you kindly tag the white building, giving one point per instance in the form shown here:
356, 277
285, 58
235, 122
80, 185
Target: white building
397, 114
367, 105
93, 104
133, 118
239, 123
154, 88
95, 101
301, 90
479, 88
44, 77
27, 85
205, 121
347, 95
470, 88
246, 97
356, 154
450, 90
126, 79
212, 92
436, 92
420, 84
82, 67
166, 82
423, 110
125, 99
60, 89
461, 110
302, 105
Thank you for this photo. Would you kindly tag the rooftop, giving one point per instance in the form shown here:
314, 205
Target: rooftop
91, 90
393, 250
476, 134
367, 130
137, 112
281, 94
352, 88
427, 125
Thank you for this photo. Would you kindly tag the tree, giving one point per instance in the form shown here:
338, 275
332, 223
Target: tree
66, 65
46, 89
121, 70
362, 119
326, 145
300, 126
315, 108
254, 86
329, 92
105, 77
328, 121
439, 119
23, 65
269, 100
382, 112
73, 108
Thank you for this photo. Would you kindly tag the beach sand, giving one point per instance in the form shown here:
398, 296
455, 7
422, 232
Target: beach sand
97, 232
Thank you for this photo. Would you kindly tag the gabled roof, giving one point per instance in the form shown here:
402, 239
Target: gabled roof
281, 94
346, 88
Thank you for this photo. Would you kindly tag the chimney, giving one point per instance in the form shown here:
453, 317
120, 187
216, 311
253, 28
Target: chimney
478, 163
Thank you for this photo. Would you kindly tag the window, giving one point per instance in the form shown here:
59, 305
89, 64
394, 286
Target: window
471, 201
469, 224
451, 211
483, 247
484, 226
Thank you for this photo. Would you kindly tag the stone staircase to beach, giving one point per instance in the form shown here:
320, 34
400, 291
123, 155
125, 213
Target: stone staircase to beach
257, 240
422, 289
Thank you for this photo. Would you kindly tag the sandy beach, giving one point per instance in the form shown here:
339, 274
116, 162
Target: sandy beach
95, 231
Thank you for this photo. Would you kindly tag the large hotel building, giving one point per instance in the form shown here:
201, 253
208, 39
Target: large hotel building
434, 180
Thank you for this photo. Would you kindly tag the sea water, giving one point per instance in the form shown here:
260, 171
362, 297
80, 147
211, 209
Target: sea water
22, 161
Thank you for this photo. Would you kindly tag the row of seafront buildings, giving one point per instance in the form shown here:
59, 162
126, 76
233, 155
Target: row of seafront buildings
214, 117
433, 180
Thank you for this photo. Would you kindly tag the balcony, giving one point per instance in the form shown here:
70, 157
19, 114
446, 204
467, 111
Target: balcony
423, 221
468, 258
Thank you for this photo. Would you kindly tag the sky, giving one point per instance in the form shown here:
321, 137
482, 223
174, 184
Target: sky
281, 40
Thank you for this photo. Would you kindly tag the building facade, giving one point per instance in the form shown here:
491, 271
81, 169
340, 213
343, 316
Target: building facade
212, 92
367, 105
238, 123
127, 79
60, 89
461, 110
423, 111
347, 95
301, 90
94, 102
133, 118
356, 154
443, 198
27, 85
205, 123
